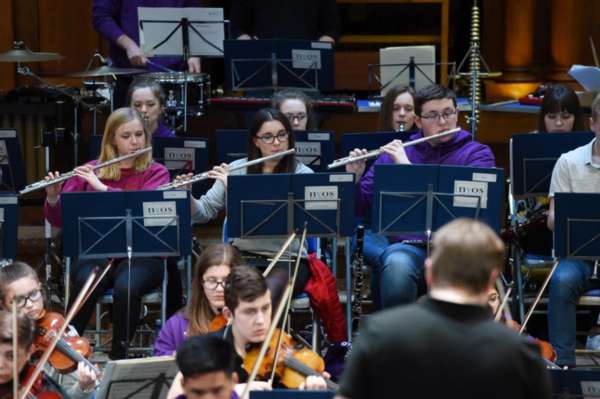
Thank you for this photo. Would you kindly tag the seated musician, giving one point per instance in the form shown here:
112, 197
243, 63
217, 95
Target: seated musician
124, 134
9, 359
248, 312
148, 98
577, 171
398, 110
296, 106
20, 283
398, 273
207, 367
206, 302
446, 344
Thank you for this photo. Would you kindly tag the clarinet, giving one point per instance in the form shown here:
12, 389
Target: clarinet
358, 278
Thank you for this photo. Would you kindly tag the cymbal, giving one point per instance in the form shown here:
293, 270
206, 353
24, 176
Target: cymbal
106, 70
20, 53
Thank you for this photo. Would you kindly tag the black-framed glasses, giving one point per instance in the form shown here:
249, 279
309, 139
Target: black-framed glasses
33, 296
448, 113
212, 285
300, 116
270, 138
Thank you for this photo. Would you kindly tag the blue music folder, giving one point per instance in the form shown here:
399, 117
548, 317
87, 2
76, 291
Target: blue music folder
369, 141
12, 168
291, 394
577, 226
9, 219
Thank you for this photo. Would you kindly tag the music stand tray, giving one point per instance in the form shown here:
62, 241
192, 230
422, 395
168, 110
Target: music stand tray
9, 215
261, 206
11, 162
578, 383
143, 378
577, 226
533, 156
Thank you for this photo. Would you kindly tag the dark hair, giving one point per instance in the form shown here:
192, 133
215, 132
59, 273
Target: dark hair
433, 92
465, 253
286, 164
559, 98
25, 330
244, 283
11, 273
387, 105
154, 87
198, 310
200, 355
281, 96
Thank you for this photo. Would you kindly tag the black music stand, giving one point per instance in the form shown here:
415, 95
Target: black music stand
12, 177
577, 226
9, 214
125, 224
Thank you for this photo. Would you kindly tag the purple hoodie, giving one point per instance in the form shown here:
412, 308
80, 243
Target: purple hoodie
163, 131
461, 151
112, 18
173, 333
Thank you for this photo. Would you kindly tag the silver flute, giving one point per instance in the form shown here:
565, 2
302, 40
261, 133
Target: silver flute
375, 153
66, 176
204, 175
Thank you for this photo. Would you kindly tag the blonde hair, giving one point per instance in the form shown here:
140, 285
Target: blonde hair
118, 118
465, 253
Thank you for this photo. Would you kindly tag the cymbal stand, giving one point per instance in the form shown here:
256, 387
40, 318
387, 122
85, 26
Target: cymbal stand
110, 86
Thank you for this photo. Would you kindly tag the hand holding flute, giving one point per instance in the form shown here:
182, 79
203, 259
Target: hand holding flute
395, 149
219, 172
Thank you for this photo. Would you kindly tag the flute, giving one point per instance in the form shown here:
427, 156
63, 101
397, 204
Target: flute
66, 176
377, 152
204, 175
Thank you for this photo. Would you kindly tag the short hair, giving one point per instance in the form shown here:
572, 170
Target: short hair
286, 164
281, 96
387, 105
465, 253
560, 98
203, 354
25, 330
244, 283
595, 107
433, 92
145, 83
13, 272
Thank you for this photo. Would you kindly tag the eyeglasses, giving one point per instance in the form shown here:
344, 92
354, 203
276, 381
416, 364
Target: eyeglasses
212, 284
448, 113
269, 138
33, 296
300, 116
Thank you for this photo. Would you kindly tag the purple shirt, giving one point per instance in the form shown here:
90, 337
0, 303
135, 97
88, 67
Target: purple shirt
461, 151
163, 131
233, 396
173, 333
113, 18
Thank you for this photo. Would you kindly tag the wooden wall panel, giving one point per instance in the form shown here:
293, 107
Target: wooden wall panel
7, 70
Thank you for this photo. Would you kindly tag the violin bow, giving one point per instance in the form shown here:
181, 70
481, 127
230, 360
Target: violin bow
287, 306
61, 331
504, 296
15, 348
539, 296
98, 280
267, 341
279, 254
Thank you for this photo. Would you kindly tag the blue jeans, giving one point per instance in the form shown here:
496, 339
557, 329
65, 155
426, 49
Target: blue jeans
373, 247
569, 282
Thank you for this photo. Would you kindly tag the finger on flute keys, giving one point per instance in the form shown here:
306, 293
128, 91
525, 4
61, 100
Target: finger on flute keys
182, 178
395, 149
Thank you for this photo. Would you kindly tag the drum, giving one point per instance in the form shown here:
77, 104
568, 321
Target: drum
181, 89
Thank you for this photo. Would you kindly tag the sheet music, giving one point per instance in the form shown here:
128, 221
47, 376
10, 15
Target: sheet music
587, 76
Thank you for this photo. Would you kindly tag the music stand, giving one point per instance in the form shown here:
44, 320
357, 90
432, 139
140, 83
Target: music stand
574, 384
232, 144
419, 199
9, 214
577, 226
533, 156
138, 378
275, 64
265, 206
12, 177
291, 394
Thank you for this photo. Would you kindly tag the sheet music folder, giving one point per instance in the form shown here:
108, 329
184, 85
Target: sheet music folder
577, 226
533, 156
12, 168
260, 206
99, 224
9, 222
412, 199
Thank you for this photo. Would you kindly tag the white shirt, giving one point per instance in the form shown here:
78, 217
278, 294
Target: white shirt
576, 172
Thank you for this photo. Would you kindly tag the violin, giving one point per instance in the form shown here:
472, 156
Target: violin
293, 365
69, 351
43, 387
217, 323
546, 349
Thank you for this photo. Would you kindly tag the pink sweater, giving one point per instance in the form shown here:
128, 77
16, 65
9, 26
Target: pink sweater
155, 175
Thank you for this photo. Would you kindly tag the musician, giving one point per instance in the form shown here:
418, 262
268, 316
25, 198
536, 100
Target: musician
398, 273
560, 111
206, 301
123, 134
270, 133
207, 368
296, 106
577, 171
148, 98
447, 344
248, 312
274, 19
398, 109
20, 283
